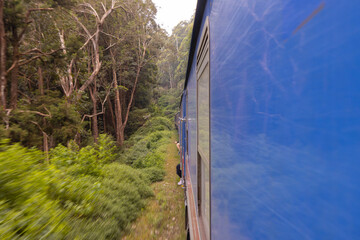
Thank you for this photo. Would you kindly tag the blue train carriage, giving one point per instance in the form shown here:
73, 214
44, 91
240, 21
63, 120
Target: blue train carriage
271, 120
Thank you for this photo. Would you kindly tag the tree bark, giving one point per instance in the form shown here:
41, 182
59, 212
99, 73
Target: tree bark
118, 110
94, 121
41, 81
111, 113
46, 146
118, 113
2, 57
131, 99
104, 122
15, 71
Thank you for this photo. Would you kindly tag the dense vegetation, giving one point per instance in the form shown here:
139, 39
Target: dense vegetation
75, 69
88, 91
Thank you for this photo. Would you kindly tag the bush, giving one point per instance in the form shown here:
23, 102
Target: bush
86, 161
147, 147
26, 209
81, 194
121, 199
154, 174
137, 118
152, 125
93, 192
145, 152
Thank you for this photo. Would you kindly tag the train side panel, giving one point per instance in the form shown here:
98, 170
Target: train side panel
192, 161
285, 119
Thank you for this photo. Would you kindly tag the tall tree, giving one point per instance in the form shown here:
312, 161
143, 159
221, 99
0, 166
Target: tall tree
140, 44
18, 21
2, 57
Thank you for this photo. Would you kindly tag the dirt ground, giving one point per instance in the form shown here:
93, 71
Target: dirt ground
164, 216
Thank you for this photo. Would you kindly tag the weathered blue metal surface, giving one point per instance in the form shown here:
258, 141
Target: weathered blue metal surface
285, 119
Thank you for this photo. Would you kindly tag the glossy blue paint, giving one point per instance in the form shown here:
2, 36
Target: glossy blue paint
285, 119
191, 87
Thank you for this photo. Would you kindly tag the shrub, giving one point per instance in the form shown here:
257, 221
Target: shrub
26, 210
137, 118
81, 194
147, 147
122, 196
154, 174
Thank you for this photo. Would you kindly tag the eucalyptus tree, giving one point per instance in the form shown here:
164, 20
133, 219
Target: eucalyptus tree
138, 47
173, 57
87, 57
2, 56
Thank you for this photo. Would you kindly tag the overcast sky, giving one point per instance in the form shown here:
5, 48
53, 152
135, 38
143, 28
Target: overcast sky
171, 12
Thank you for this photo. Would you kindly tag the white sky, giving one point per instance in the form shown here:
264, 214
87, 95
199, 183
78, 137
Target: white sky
171, 12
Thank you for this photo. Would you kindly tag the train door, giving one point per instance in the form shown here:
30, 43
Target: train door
203, 131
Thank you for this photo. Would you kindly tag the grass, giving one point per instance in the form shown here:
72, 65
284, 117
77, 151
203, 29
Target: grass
164, 216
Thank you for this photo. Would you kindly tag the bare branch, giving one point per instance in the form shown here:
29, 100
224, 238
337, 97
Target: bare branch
48, 111
110, 35
104, 8
85, 29
31, 51
87, 41
23, 62
37, 113
88, 5
112, 45
102, 108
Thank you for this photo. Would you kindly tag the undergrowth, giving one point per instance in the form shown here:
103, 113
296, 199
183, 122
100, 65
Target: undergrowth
90, 193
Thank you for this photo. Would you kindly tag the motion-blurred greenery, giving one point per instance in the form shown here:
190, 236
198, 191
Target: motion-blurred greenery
88, 193
88, 189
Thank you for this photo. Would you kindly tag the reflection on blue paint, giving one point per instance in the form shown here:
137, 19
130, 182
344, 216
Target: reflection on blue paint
285, 119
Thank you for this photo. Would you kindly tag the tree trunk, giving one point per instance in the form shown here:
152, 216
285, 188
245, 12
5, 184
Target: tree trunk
94, 118
104, 122
15, 71
118, 110
118, 115
41, 81
46, 146
2, 57
170, 77
123, 97
131, 98
111, 113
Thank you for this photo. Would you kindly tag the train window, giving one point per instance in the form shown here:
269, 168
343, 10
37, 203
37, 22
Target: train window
203, 129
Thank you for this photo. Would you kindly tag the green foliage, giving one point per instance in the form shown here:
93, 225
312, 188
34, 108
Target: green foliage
152, 125
81, 194
147, 146
137, 118
174, 56
26, 209
88, 160
49, 114
121, 197
91, 191
154, 174
169, 101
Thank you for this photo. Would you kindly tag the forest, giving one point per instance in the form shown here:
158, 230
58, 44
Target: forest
88, 94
